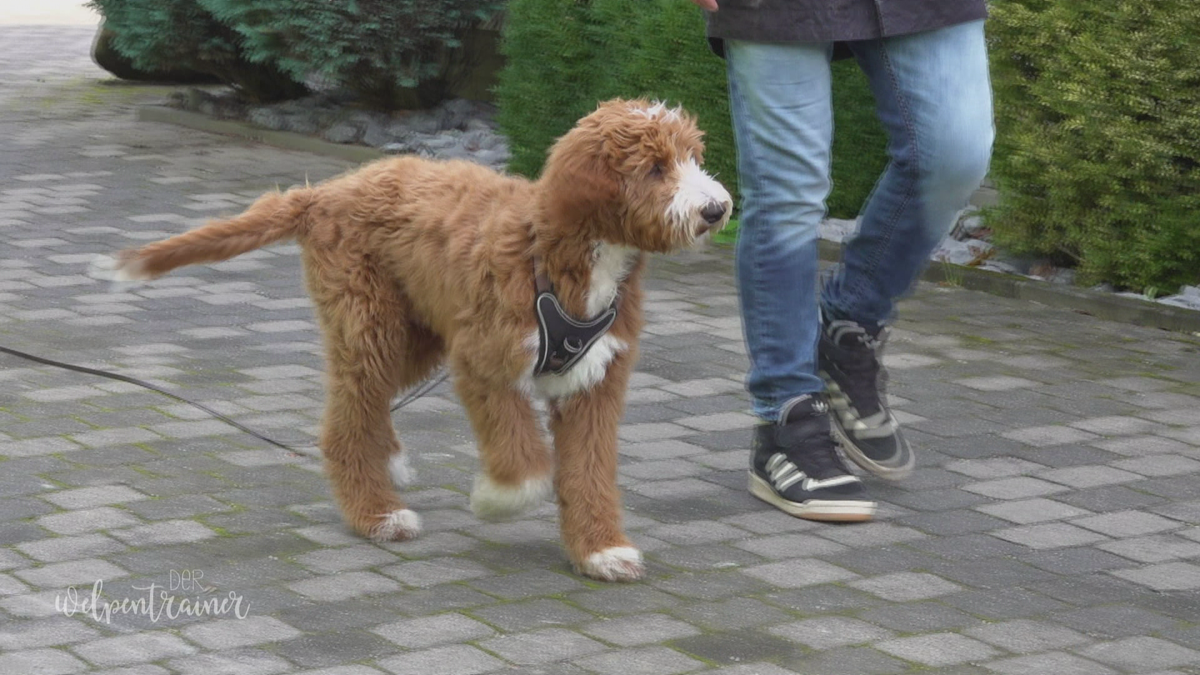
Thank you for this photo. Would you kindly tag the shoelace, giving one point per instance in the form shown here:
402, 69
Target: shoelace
859, 356
818, 457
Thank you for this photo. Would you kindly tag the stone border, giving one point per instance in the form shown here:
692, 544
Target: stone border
1083, 301
286, 140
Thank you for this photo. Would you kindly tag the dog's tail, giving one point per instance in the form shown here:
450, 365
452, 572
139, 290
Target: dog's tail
273, 217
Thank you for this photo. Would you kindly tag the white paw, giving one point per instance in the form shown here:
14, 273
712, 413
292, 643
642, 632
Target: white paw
109, 268
619, 563
491, 501
397, 526
402, 473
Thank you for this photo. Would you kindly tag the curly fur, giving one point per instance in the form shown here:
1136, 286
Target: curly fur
411, 263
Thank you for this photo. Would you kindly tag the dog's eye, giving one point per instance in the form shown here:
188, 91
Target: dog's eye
657, 170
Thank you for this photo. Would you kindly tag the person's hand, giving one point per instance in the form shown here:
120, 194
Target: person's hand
710, 5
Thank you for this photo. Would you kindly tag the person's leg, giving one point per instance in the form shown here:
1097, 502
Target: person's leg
783, 125
933, 96
780, 101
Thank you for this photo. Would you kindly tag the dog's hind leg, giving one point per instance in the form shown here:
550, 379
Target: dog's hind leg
585, 440
516, 459
372, 351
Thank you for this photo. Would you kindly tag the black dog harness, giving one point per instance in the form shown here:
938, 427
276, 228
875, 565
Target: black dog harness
562, 340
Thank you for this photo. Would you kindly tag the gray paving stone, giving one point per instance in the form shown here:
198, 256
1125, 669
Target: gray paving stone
531, 614
781, 546
1142, 653
61, 575
87, 497
164, 533
906, 586
729, 615
1027, 511
1049, 435
917, 617
1126, 524
452, 660
344, 586
16, 636
640, 629
1003, 604
231, 662
427, 632
1024, 636
1049, 535
798, 573
937, 649
1114, 621
41, 661
1021, 487
136, 648
349, 558
754, 669
543, 646
68, 548
425, 573
1088, 476
1172, 576
234, 633
831, 631
539, 582
640, 661
871, 534
1154, 548
1059, 663
848, 661
1081, 560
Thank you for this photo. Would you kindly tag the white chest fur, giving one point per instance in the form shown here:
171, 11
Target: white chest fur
610, 266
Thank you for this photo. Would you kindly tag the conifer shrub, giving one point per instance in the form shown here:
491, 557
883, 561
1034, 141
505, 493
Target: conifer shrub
392, 53
167, 35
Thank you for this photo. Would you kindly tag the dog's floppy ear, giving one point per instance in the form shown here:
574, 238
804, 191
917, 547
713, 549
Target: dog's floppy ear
578, 178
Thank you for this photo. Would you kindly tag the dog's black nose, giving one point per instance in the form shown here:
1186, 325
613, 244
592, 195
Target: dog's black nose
713, 212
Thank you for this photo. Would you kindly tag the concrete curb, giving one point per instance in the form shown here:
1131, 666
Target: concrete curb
1082, 301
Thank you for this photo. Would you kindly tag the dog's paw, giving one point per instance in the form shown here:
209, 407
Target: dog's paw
619, 563
400, 525
491, 501
402, 473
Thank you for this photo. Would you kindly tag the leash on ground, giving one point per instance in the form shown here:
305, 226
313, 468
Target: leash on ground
411, 396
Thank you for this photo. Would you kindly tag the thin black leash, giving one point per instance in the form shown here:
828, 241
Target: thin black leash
411, 396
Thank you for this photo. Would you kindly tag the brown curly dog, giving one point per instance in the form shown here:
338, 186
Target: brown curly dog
412, 262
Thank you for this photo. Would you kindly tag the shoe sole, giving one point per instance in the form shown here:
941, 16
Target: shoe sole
839, 511
838, 401
858, 457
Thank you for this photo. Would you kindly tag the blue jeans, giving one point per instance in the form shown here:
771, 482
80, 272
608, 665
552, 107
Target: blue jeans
933, 97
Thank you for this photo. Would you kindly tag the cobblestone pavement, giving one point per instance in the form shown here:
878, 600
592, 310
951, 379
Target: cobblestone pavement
1051, 527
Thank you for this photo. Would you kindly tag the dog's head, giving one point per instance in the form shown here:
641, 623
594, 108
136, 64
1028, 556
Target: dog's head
632, 170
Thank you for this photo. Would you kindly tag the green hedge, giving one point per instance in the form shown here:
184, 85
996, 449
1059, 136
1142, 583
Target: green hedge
1098, 148
564, 57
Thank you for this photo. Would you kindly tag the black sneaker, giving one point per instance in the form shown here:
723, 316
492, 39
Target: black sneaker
856, 383
795, 467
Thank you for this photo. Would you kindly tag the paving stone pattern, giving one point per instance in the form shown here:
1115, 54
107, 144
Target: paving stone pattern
1052, 526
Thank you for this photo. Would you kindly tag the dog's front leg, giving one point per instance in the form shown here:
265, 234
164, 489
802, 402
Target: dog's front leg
585, 439
516, 462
